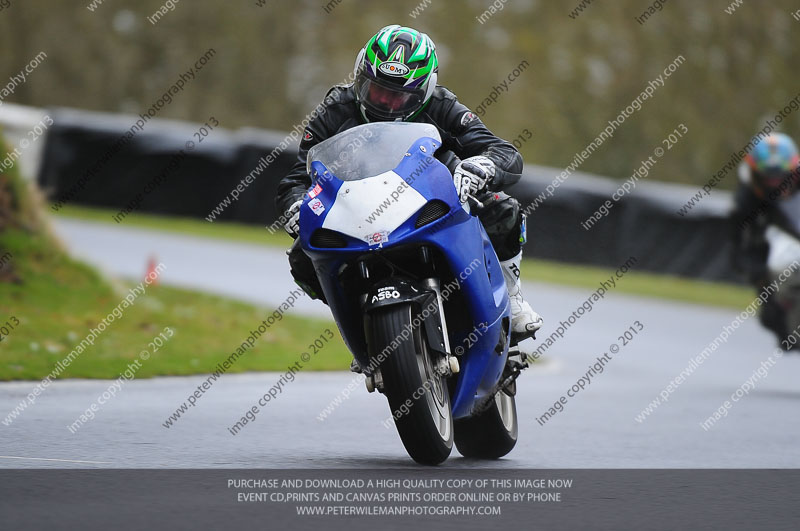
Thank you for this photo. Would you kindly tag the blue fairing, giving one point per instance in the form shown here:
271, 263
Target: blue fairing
463, 242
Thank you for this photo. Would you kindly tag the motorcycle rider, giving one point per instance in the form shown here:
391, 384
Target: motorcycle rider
768, 175
395, 79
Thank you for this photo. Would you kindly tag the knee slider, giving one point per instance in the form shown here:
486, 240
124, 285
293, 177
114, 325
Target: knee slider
503, 221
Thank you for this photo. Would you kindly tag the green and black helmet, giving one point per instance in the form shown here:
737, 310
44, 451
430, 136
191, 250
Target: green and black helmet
395, 74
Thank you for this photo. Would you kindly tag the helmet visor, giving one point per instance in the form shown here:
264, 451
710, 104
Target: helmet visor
777, 182
385, 100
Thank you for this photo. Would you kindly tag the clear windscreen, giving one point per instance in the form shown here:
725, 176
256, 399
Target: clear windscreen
370, 149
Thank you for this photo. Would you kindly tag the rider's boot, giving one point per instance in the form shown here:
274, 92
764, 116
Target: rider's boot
524, 321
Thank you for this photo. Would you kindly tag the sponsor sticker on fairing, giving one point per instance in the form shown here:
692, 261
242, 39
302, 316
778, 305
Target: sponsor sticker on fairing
316, 206
315, 191
377, 238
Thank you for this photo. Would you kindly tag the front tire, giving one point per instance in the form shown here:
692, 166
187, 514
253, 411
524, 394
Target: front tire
425, 424
492, 433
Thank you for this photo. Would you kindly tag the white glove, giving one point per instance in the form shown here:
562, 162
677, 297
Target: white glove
292, 225
472, 176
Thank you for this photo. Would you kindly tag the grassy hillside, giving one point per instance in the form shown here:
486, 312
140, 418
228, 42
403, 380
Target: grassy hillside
49, 302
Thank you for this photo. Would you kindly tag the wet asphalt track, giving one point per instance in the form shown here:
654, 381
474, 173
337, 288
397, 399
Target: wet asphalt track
596, 429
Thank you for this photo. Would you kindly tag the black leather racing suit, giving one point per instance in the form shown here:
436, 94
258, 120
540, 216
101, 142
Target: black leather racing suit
751, 216
463, 135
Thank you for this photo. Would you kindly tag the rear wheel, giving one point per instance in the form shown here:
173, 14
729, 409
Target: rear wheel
417, 395
490, 434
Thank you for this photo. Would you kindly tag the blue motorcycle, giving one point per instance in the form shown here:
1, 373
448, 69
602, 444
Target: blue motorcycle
415, 287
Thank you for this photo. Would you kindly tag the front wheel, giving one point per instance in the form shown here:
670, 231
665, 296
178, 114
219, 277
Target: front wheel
490, 434
417, 394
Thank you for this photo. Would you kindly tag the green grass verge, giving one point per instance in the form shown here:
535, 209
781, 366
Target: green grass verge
59, 300
633, 283
640, 284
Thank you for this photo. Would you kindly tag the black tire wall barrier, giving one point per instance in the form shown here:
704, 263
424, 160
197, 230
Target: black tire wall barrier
644, 223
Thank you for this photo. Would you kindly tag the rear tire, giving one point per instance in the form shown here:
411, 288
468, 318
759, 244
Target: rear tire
427, 428
492, 433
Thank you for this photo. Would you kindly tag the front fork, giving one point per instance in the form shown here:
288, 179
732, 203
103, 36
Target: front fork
448, 364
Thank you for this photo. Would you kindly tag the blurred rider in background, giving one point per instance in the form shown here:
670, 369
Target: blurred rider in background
768, 176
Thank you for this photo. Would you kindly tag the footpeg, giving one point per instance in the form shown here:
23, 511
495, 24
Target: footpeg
516, 363
517, 359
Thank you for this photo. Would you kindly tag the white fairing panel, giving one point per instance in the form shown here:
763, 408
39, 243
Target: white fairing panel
372, 198
783, 250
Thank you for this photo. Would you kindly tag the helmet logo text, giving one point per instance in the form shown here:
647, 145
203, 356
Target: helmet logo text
394, 68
